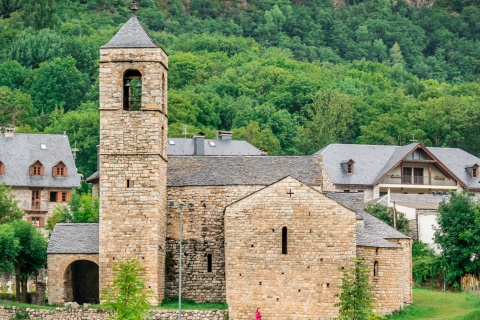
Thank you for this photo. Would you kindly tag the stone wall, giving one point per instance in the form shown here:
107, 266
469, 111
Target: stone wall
299, 283
58, 290
94, 314
203, 235
133, 165
392, 284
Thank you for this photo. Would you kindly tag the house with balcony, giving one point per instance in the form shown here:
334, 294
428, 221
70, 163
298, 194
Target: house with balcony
41, 171
410, 169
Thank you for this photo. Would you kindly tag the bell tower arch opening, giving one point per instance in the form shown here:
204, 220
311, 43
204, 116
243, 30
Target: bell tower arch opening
132, 90
81, 282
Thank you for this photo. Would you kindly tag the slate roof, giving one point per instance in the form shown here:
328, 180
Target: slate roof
22, 150
241, 170
131, 35
373, 161
74, 238
374, 232
228, 147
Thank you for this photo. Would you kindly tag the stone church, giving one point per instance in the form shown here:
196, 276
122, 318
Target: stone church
257, 230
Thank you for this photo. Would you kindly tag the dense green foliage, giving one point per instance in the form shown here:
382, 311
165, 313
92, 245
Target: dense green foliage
427, 266
9, 210
386, 215
81, 208
457, 235
128, 297
24, 251
356, 299
296, 74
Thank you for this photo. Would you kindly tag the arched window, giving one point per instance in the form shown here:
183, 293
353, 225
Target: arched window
59, 170
132, 90
2, 168
284, 240
375, 269
37, 169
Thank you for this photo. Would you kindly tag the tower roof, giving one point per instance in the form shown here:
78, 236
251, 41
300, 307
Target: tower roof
131, 35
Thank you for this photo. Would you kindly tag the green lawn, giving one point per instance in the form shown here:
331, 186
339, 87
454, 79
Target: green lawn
429, 304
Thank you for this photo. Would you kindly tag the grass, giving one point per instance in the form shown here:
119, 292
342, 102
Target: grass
430, 304
24, 305
191, 305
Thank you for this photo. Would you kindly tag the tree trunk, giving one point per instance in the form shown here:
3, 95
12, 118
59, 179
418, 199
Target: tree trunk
17, 282
24, 290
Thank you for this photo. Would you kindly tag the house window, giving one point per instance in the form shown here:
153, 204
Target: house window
284, 240
39, 222
132, 90
2, 168
58, 196
349, 167
209, 262
375, 269
35, 199
59, 170
474, 172
36, 169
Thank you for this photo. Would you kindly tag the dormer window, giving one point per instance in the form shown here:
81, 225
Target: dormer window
59, 170
2, 168
132, 90
472, 170
418, 154
348, 166
37, 169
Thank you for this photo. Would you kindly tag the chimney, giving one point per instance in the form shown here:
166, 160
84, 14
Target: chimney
250, 137
226, 135
198, 144
9, 132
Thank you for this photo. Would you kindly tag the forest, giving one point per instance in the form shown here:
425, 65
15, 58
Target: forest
296, 74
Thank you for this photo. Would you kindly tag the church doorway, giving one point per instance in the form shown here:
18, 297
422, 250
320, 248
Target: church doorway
81, 282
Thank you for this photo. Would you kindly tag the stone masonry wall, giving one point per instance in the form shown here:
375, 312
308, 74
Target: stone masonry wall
133, 165
93, 314
203, 234
301, 284
57, 265
392, 285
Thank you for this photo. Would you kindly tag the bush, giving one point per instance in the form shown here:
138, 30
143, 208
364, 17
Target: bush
427, 265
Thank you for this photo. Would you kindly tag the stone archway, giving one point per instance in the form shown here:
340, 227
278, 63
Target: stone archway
81, 282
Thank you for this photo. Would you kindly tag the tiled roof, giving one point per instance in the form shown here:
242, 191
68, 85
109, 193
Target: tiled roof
373, 161
74, 238
229, 147
131, 35
22, 150
241, 170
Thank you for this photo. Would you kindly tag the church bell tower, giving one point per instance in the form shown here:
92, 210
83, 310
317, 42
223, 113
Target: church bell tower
133, 157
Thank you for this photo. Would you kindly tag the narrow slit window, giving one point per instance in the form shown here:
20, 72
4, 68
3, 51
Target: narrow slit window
132, 90
284, 240
209, 262
129, 184
375, 269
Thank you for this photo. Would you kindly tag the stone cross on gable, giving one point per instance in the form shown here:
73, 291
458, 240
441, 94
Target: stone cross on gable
290, 193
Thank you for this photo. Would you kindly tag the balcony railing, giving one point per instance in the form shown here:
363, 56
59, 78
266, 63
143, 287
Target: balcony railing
419, 180
29, 205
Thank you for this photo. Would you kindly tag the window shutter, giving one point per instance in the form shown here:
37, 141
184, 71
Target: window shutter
42, 171
54, 171
42, 222
65, 171
59, 197
68, 197
29, 219
31, 170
